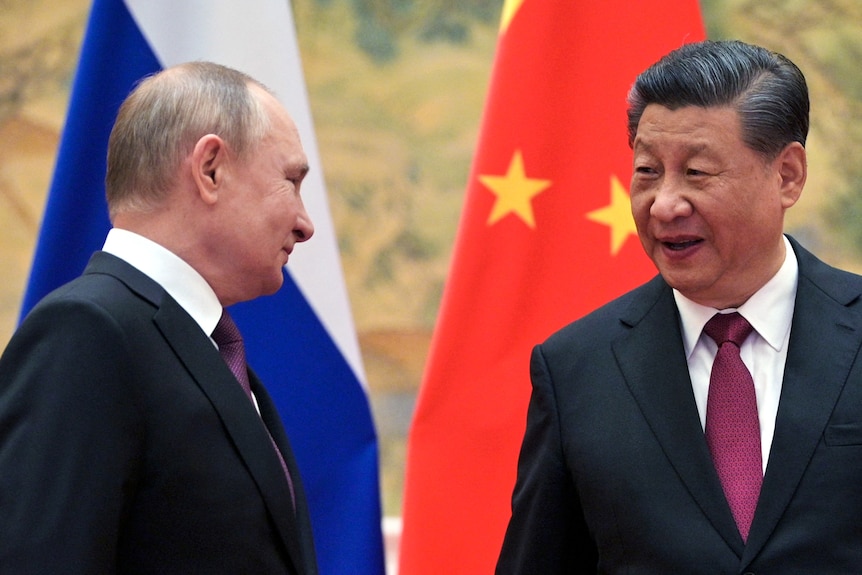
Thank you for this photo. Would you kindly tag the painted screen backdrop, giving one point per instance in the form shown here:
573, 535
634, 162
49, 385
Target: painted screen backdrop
301, 341
546, 235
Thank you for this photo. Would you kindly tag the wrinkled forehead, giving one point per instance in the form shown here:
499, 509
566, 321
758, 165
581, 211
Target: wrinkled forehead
692, 121
692, 130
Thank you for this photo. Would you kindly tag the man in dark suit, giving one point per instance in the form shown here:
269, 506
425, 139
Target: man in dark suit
127, 444
639, 456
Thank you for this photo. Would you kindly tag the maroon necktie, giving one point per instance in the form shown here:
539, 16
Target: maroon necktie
230, 346
732, 425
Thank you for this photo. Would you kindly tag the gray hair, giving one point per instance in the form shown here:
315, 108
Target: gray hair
767, 90
162, 119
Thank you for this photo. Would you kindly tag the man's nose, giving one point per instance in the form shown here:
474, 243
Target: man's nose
304, 228
671, 200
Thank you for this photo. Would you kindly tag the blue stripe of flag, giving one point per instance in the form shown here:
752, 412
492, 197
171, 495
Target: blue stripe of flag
322, 403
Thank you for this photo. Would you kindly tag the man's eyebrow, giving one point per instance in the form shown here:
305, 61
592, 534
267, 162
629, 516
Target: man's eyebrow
691, 149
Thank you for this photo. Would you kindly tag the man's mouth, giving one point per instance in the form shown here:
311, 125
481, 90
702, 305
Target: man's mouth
681, 245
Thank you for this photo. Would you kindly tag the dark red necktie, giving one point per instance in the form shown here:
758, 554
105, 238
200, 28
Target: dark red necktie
230, 346
732, 425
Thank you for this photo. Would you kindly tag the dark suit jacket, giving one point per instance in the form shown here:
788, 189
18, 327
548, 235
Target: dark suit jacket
615, 475
127, 446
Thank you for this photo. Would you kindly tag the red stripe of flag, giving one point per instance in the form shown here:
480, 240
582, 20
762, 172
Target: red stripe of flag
546, 236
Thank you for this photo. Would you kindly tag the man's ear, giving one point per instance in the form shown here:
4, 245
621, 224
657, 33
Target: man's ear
208, 162
793, 169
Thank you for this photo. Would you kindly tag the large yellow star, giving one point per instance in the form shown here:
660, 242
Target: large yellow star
514, 192
617, 215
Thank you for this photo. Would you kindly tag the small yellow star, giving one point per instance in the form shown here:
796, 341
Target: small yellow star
514, 192
617, 215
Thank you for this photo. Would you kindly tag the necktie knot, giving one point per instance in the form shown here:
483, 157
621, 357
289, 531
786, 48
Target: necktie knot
226, 333
724, 327
229, 340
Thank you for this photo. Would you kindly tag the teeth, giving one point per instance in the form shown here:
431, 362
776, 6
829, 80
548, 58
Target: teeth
680, 245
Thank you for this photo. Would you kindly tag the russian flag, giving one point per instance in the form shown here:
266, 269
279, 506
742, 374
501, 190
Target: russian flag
301, 341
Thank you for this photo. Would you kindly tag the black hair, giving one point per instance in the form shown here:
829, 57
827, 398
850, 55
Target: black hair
767, 90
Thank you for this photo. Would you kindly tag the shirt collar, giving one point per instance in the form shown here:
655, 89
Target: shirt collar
178, 278
769, 310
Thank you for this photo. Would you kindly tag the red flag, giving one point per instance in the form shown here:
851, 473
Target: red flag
546, 236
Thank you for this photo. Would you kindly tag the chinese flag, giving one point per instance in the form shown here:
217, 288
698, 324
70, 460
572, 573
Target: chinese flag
546, 236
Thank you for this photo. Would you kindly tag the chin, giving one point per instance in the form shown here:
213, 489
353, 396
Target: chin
680, 281
274, 286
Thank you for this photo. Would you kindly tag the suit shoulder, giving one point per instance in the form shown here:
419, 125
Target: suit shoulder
87, 291
603, 323
108, 284
841, 285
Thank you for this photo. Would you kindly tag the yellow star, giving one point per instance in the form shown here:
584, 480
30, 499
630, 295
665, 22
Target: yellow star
617, 215
514, 192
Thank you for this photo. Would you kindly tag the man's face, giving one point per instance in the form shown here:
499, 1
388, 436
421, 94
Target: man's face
708, 209
265, 215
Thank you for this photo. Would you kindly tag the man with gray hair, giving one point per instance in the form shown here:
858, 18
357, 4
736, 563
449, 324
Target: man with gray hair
710, 421
133, 437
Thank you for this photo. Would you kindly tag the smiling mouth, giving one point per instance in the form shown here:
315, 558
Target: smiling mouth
679, 246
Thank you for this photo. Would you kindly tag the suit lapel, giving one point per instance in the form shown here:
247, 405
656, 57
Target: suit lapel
653, 363
826, 335
240, 419
300, 543
243, 425
825, 338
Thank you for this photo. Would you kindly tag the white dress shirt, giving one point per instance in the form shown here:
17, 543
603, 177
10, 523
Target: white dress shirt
178, 278
770, 312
